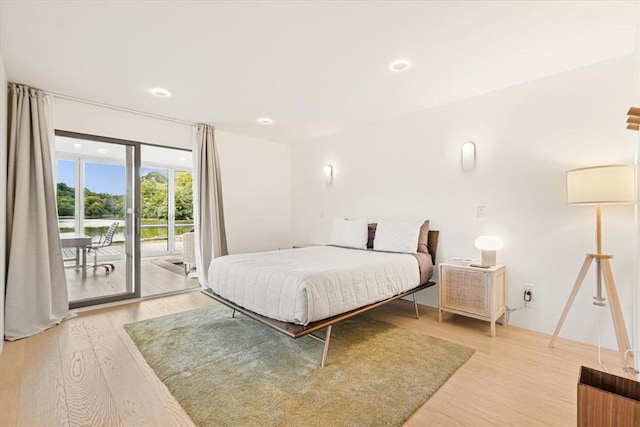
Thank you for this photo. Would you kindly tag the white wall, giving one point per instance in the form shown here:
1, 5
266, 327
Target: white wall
256, 174
527, 137
256, 180
95, 120
3, 191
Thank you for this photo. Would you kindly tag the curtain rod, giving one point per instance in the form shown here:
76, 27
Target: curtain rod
126, 110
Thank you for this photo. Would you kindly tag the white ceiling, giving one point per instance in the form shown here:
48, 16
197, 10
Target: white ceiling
316, 68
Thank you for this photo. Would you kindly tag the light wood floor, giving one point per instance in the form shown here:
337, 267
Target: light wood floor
87, 372
155, 274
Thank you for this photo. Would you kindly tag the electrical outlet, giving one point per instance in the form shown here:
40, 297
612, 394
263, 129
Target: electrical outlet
527, 295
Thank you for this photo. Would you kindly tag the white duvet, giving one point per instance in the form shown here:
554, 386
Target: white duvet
308, 284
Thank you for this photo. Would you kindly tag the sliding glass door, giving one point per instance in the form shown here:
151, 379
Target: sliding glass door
166, 214
123, 208
167, 200
98, 198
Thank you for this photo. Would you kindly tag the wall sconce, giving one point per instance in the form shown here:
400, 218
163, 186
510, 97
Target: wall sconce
468, 156
328, 174
488, 245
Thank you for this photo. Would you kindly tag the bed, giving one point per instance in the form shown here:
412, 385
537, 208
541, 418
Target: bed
302, 291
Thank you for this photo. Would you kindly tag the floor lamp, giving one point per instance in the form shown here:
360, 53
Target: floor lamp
596, 186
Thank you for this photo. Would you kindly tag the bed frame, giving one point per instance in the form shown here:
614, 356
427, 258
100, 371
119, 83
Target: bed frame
296, 331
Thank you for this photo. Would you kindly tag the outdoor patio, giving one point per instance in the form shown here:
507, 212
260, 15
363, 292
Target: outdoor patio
161, 272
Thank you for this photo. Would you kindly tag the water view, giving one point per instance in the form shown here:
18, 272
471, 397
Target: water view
104, 201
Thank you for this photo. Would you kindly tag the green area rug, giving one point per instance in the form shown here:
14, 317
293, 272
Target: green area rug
228, 371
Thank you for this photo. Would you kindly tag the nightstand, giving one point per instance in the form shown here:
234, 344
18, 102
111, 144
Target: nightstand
472, 292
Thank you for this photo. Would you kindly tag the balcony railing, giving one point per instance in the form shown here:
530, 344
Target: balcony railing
152, 245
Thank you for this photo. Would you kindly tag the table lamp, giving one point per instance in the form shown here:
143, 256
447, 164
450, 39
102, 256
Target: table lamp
488, 245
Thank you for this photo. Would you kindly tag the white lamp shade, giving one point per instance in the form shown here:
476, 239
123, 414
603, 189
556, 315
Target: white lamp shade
601, 184
489, 243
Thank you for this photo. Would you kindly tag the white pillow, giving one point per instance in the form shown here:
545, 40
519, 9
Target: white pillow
351, 233
397, 236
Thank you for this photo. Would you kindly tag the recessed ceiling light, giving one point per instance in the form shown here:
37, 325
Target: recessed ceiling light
183, 158
265, 121
77, 145
162, 93
399, 65
102, 151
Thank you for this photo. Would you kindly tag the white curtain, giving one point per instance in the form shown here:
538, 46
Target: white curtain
211, 239
36, 288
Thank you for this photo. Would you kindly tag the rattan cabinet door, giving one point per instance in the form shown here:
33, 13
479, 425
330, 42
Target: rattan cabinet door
465, 291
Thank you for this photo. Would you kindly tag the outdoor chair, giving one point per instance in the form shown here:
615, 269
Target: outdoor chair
103, 241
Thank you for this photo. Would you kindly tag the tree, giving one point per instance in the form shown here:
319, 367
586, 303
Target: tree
184, 196
66, 206
64, 190
116, 204
153, 187
93, 207
66, 199
155, 176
